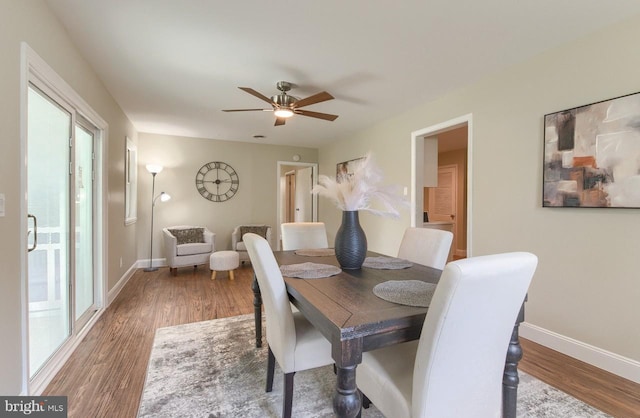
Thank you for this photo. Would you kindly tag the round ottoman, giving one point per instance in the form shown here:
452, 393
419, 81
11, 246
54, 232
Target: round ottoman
223, 261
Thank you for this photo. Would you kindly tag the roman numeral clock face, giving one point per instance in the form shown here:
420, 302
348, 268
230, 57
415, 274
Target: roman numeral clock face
217, 181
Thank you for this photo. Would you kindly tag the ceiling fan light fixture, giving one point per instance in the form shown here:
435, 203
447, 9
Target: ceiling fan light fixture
283, 113
285, 106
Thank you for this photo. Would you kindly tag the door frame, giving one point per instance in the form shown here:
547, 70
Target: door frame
34, 68
417, 170
280, 191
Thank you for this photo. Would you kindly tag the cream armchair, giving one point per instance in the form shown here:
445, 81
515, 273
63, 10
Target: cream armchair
186, 245
236, 238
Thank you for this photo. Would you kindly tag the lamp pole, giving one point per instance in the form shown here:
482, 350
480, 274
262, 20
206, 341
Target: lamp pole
153, 169
153, 204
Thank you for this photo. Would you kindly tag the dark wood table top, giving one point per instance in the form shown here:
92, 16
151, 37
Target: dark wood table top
343, 307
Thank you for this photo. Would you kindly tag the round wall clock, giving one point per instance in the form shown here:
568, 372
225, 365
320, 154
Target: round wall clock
217, 181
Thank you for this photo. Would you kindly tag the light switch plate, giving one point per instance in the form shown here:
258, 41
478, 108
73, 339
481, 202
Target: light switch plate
1, 204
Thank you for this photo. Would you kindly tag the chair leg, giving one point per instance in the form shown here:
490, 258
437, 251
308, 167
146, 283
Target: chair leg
174, 271
271, 364
231, 276
213, 274
287, 401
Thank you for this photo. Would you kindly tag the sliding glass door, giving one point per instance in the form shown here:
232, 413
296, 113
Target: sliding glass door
49, 133
85, 297
60, 204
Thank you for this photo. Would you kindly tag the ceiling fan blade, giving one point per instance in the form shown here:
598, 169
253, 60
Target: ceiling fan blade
316, 98
325, 116
280, 121
247, 110
256, 94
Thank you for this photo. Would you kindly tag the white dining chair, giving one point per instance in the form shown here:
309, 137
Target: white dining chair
293, 342
426, 246
303, 235
455, 369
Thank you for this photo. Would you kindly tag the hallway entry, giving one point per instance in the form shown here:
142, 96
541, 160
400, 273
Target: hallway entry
441, 177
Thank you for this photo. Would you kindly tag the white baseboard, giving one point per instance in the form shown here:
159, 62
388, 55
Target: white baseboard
123, 280
603, 359
157, 262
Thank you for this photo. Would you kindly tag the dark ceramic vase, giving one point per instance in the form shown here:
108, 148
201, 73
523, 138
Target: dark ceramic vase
351, 242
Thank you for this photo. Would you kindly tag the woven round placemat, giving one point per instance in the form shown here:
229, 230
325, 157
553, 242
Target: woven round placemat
386, 263
309, 270
406, 292
316, 252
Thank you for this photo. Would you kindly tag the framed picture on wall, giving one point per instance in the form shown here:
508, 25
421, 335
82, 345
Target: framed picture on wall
346, 168
592, 155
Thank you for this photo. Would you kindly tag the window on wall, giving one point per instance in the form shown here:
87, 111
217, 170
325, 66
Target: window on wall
130, 182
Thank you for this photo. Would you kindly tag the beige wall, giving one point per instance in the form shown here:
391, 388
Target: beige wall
30, 21
390, 149
255, 201
587, 284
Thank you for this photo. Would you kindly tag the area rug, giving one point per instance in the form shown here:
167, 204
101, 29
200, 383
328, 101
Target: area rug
212, 369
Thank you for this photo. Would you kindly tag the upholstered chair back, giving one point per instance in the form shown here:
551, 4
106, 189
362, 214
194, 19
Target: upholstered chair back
426, 246
461, 353
303, 235
281, 332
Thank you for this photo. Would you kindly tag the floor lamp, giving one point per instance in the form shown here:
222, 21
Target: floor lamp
154, 169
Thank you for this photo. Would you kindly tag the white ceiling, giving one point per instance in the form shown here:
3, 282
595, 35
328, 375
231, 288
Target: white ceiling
173, 65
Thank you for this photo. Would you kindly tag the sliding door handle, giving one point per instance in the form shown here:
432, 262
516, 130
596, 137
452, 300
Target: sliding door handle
35, 232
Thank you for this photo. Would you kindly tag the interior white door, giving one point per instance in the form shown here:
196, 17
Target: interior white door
304, 198
443, 200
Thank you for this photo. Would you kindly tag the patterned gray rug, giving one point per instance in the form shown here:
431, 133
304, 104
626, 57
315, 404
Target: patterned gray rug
212, 369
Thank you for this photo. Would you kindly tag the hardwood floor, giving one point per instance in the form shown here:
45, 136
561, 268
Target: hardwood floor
105, 375
607, 392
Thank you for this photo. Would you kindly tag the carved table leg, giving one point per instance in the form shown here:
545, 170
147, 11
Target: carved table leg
347, 401
257, 310
510, 379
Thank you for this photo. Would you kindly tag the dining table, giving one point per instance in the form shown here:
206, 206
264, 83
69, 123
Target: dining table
345, 310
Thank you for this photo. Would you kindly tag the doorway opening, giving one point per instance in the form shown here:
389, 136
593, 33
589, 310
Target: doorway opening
295, 201
441, 179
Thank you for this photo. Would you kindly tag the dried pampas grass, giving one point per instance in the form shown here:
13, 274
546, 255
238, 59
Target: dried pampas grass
358, 190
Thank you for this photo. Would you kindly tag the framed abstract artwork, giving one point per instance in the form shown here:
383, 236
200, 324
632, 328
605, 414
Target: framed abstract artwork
346, 168
592, 155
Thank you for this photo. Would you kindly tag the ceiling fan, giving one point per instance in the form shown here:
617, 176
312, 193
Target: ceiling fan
284, 106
